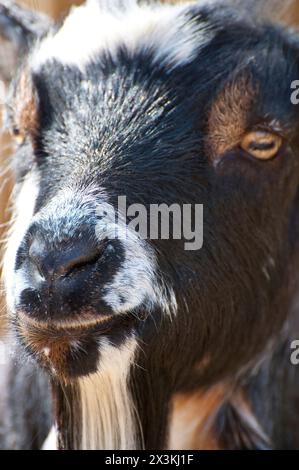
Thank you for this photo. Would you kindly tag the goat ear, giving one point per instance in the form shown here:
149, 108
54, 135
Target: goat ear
19, 27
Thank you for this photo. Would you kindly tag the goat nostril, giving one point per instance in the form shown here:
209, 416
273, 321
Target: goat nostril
77, 259
64, 260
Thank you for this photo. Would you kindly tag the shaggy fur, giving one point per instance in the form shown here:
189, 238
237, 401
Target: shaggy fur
153, 103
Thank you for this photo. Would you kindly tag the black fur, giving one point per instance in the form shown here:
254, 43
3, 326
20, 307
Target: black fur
152, 123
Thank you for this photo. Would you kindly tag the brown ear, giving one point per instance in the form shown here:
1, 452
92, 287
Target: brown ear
291, 15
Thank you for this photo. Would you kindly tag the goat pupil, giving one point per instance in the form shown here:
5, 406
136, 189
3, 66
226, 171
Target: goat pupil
262, 146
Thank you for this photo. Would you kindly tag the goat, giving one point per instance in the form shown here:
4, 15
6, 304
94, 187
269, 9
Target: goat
138, 343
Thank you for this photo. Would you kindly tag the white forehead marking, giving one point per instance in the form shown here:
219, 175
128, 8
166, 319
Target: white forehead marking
94, 28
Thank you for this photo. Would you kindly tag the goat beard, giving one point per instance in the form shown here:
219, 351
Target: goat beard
97, 411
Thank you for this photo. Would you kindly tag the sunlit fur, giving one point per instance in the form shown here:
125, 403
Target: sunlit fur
149, 102
105, 27
109, 420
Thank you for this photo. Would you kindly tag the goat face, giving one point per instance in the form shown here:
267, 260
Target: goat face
164, 104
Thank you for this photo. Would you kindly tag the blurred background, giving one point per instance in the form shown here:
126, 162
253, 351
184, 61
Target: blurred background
57, 9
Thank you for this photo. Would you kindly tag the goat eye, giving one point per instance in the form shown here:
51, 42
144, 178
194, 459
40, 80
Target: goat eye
15, 132
17, 135
261, 144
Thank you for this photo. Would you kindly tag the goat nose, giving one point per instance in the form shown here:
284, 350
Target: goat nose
64, 260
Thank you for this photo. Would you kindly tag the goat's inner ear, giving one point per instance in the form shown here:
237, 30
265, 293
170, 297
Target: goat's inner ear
230, 116
23, 118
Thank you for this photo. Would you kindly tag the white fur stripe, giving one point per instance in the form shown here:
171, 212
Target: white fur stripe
23, 211
108, 415
94, 28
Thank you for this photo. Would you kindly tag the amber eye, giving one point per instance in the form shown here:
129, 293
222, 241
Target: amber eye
261, 144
